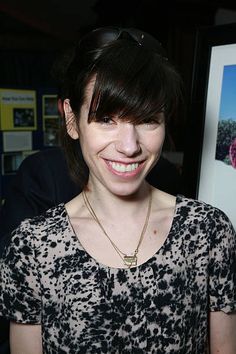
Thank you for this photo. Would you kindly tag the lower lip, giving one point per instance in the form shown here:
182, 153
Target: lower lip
126, 174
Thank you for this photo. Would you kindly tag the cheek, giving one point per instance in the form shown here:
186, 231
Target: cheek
155, 141
91, 143
155, 148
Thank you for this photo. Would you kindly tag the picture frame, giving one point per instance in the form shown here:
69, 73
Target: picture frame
50, 108
209, 166
51, 120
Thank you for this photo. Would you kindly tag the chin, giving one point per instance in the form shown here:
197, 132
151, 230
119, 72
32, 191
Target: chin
125, 189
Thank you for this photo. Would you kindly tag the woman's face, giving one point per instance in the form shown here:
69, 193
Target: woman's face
118, 154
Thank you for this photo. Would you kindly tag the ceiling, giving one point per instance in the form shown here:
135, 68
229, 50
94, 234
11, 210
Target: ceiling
65, 20
50, 25
54, 17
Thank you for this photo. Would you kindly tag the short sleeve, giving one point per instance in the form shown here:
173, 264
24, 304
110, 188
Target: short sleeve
20, 298
222, 266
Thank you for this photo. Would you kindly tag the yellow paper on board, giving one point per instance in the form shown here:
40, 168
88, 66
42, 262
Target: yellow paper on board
18, 109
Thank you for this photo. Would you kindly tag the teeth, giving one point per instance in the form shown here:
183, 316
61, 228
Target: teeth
124, 168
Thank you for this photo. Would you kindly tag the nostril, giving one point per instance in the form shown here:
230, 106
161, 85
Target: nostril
128, 149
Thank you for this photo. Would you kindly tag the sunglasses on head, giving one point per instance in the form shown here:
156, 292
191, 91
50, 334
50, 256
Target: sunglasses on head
106, 35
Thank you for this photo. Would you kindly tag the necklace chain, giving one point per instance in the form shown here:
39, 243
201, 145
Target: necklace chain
129, 260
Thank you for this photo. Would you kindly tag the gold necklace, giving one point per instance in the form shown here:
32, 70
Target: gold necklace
129, 260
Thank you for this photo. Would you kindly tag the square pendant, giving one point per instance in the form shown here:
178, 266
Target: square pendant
130, 261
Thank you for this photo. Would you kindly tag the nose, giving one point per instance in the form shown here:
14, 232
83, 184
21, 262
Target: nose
127, 141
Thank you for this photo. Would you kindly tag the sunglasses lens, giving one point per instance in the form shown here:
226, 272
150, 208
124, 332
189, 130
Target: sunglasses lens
147, 41
105, 35
99, 37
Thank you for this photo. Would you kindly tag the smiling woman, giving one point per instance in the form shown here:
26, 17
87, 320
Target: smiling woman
116, 149
123, 267
131, 78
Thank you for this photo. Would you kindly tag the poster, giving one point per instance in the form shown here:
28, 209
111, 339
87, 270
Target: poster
217, 182
17, 110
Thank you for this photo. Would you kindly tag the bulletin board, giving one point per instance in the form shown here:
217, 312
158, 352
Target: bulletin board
17, 110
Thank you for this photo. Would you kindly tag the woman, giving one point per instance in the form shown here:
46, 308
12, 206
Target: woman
123, 267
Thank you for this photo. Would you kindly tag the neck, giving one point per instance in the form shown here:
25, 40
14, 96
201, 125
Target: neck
110, 203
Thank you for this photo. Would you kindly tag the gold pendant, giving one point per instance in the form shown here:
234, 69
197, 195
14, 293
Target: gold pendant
130, 261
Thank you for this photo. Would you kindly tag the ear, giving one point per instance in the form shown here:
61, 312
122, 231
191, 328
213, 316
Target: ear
70, 119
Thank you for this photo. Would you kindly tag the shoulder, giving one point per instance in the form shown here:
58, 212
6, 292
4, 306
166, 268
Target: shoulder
198, 208
204, 216
42, 239
53, 217
40, 236
189, 211
51, 222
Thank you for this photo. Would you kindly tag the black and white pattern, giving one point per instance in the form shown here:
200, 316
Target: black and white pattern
158, 307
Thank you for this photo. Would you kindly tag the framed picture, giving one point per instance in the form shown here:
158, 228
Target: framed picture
51, 120
209, 168
50, 108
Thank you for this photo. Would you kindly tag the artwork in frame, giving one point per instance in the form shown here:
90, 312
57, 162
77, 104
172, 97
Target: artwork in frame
210, 156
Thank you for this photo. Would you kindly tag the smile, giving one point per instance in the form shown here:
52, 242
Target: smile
119, 167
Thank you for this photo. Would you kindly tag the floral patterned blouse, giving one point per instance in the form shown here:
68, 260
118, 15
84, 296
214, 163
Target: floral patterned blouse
158, 307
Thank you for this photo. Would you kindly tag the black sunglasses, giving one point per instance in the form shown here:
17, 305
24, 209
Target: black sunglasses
106, 35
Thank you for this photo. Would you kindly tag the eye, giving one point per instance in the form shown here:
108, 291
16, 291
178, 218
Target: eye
155, 120
106, 120
150, 121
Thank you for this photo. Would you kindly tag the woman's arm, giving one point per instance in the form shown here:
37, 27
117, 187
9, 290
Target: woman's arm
25, 339
222, 333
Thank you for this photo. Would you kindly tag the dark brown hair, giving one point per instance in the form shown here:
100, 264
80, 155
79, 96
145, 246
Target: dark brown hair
134, 79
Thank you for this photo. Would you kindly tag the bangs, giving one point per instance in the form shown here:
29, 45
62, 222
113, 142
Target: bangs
133, 84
